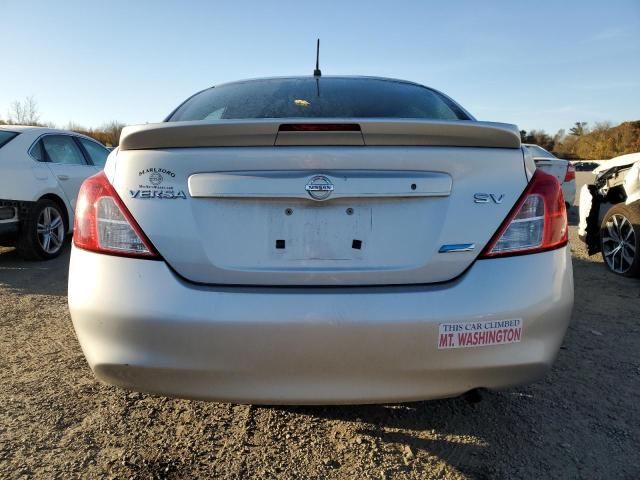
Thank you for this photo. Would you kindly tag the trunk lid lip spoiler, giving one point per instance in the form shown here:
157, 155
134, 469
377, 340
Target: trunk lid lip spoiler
374, 131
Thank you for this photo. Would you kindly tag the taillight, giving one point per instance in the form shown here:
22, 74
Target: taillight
103, 224
571, 172
538, 221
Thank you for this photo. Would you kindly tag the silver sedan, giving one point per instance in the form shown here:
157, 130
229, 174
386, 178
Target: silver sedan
313, 240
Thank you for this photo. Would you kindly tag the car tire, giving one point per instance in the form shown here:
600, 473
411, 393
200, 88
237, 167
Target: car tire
43, 231
620, 239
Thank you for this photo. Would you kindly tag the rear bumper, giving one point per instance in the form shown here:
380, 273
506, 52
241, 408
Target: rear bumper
8, 231
143, 328
12, 214
8, 220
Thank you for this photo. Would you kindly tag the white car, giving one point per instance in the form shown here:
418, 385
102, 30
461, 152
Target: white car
41, 170
563, 170
320, 240
610, 214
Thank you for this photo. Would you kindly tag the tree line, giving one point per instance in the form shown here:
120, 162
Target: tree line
582, 142
601, 142
27, 113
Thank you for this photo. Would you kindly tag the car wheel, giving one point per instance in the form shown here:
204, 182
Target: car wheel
620, 239
42, 235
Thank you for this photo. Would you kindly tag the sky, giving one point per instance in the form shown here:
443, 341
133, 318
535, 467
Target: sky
538, 64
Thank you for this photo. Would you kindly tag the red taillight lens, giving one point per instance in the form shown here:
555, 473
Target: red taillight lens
571, 173
103, 224
538, 221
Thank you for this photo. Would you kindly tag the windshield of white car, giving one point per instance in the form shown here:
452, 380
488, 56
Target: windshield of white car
324, 97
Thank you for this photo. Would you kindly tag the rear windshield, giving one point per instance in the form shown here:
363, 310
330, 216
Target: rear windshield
6, 136
537, 151
318, 98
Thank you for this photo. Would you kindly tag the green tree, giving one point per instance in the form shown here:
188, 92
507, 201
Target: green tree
523, 136
602, 142
578, 129
540, 137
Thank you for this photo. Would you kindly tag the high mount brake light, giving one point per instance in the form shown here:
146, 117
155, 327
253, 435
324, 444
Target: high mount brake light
319, 127
103, 223
537, 222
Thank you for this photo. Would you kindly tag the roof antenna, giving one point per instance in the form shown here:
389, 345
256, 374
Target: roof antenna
317, 72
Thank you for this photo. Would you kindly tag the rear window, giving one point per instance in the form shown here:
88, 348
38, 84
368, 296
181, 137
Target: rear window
97, 153
6, 137
318, 98
537, 151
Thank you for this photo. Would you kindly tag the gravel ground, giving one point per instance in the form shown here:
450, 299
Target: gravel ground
57, 421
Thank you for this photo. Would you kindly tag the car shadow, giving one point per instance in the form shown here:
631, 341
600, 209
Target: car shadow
47, 277
451, 429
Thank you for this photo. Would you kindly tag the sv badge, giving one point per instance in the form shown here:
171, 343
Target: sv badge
488, 198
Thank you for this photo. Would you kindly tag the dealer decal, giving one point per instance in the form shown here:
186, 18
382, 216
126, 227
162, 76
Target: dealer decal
479, 334
153, 186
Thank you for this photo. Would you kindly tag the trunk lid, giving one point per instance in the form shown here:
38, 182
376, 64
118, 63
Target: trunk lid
322, 211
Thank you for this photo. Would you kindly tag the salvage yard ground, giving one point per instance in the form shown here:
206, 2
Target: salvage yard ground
57, 421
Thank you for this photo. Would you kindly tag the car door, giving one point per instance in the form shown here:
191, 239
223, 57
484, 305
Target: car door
67, 163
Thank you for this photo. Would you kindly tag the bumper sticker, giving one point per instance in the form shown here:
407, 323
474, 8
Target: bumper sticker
479, 334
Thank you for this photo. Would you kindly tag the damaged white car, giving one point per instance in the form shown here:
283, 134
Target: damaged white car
610, 214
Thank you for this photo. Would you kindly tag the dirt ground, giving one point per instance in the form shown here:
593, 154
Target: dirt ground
56, 421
